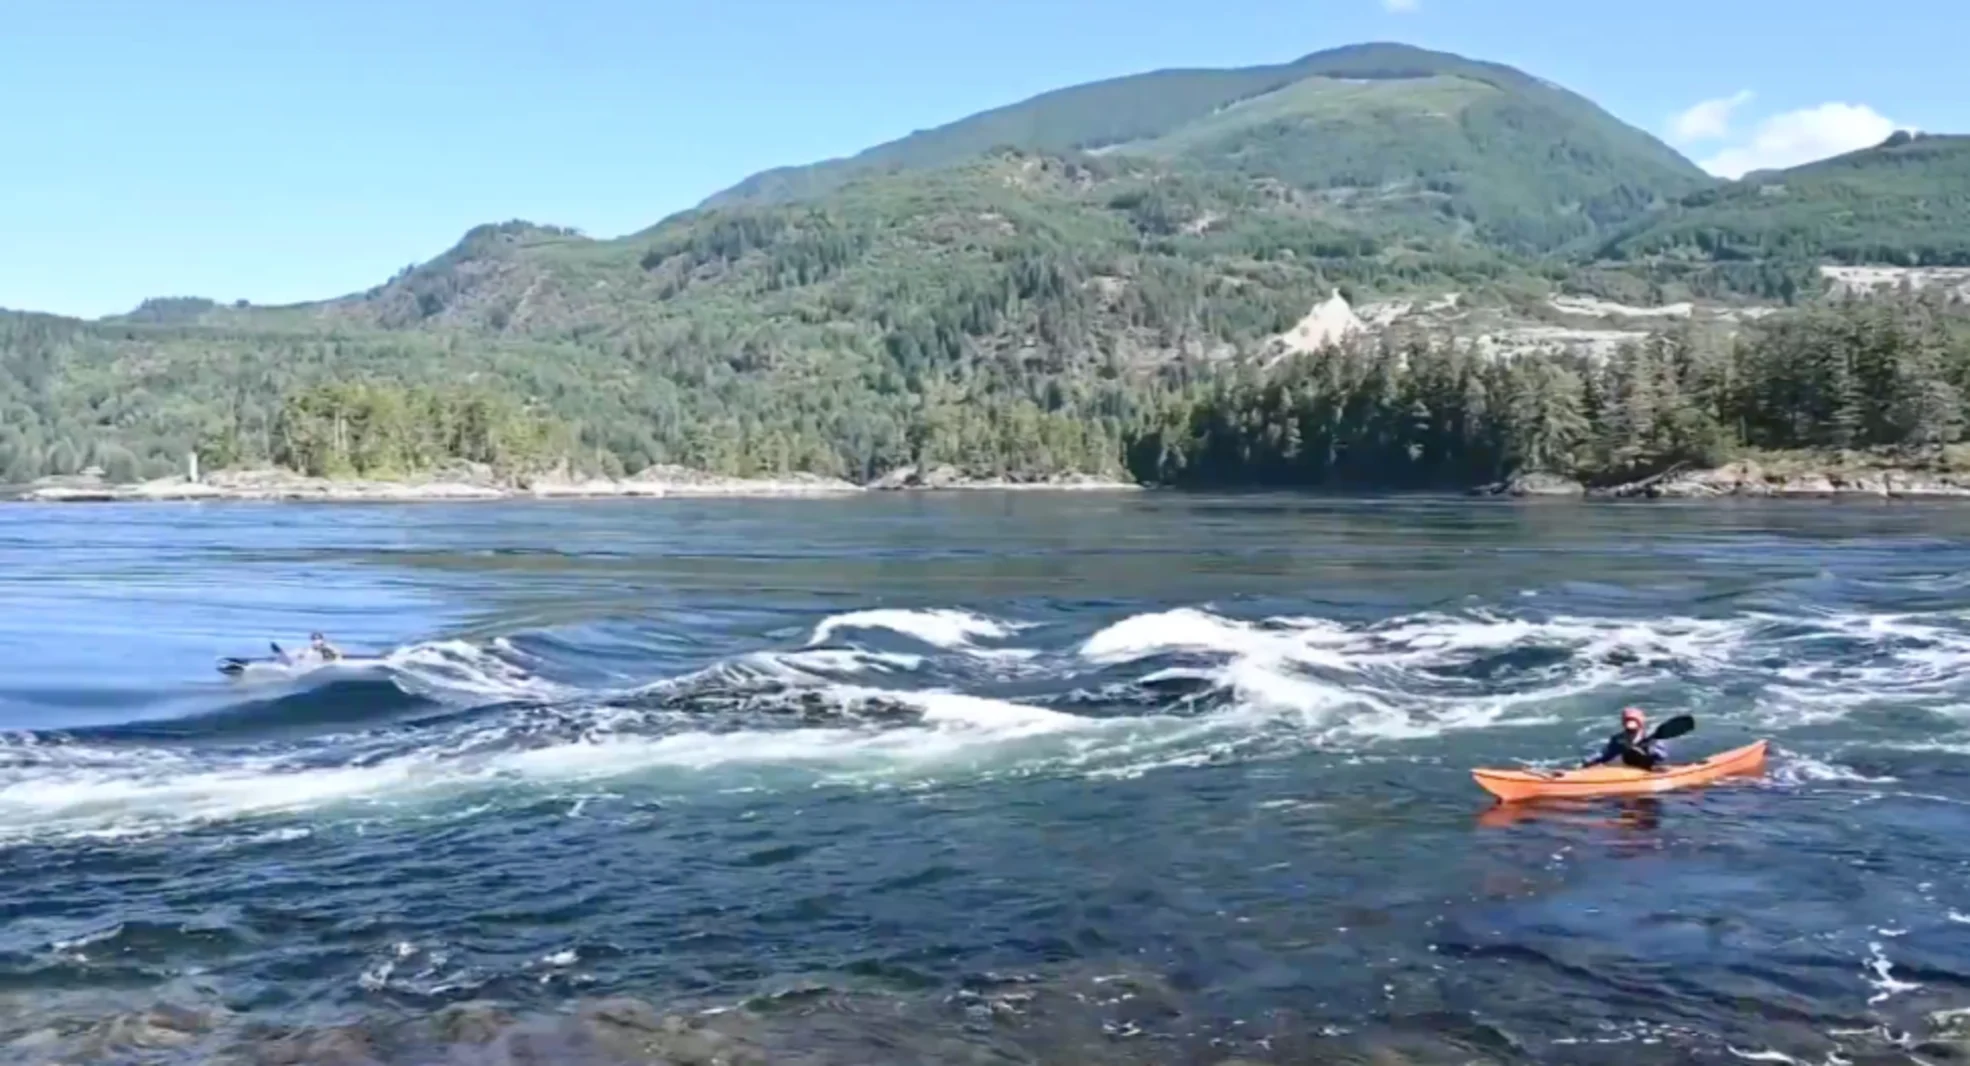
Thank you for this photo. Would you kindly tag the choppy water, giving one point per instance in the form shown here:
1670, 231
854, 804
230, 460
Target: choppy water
1021, 778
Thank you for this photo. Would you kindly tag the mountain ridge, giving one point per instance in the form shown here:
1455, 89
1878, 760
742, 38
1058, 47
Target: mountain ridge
1371, 62
1904, 202
1110, 111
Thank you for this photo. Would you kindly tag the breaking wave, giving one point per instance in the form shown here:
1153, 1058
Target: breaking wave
896, 698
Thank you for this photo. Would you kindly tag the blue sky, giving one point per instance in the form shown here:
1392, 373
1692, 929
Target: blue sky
283, 150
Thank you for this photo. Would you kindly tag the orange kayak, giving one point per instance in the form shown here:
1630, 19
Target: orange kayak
1511, 786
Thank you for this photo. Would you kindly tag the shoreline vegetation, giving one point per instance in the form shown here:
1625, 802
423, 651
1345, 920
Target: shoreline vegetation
1860, 397
1849, 397
1856, 397
1842, 399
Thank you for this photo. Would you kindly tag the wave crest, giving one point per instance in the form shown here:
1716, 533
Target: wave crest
849, 708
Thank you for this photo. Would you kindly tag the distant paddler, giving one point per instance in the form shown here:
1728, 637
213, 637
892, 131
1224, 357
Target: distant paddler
285, 663
318, 645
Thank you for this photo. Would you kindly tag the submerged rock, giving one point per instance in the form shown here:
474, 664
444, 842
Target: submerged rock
622, 1012
618, 1031
342, 1046
474, 1022
163, 1026
1110, 1016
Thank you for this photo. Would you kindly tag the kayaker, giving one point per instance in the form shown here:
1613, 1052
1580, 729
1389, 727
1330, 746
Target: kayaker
321, 647
1632, 745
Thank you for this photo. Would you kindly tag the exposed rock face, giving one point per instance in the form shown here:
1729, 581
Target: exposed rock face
1532, 484
1870, 280
946, 477
1749, 478
1330, 322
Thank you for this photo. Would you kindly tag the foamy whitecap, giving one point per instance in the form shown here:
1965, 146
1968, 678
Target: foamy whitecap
1879, 973
945, 628
1185, 629
1386, 681
1761, 1056
1800, 769
455, 671
813, 662
1413, 641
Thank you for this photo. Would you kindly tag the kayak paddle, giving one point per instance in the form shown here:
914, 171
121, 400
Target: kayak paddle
1673, 728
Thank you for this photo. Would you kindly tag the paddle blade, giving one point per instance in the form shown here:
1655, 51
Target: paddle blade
1674, 727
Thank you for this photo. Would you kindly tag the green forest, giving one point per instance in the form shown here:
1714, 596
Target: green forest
1888, 374
1420, 413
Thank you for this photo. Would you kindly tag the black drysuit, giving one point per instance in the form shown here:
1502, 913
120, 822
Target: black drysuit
1639, 752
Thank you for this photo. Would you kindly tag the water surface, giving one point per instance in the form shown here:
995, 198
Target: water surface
902, 776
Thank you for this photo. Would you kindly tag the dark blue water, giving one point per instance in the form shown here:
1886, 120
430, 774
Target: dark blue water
1016, 777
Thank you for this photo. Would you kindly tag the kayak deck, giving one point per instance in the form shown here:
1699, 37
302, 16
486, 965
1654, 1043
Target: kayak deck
300, 666
1511, 786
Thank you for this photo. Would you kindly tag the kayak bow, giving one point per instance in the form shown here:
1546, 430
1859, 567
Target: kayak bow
1511, 786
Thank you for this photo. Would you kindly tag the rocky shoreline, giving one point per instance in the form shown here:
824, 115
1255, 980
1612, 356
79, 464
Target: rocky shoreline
1749, 478
481, 484
1744, 478
950, 479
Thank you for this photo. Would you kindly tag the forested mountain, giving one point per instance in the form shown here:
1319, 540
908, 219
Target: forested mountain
1101, 293
1420, 140
1007, 301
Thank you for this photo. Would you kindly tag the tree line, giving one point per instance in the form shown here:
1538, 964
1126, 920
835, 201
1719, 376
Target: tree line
375, 429
1435, 413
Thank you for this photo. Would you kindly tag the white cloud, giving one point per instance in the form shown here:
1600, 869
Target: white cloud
1401, 7
1794, 137
1709, 120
